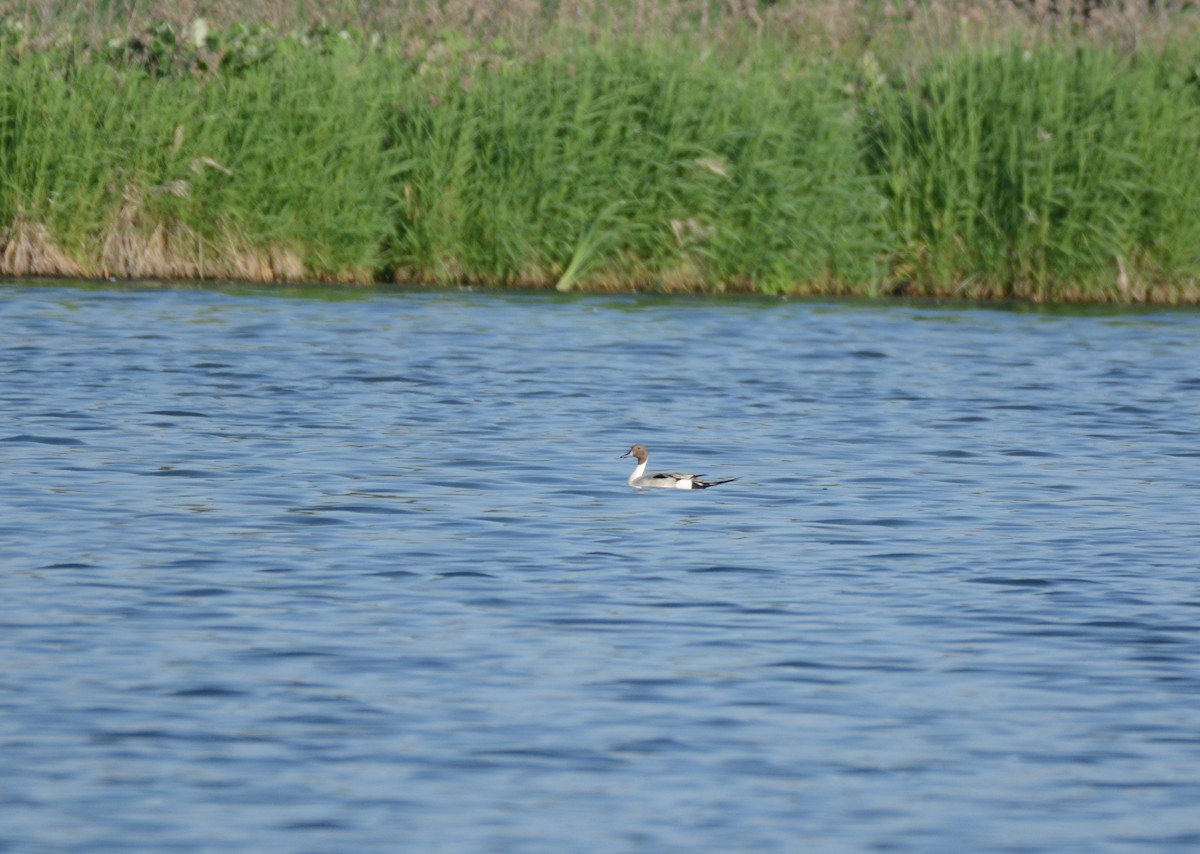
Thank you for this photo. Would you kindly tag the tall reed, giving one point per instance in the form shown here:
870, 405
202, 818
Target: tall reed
272, 172
630, 165
1042, 172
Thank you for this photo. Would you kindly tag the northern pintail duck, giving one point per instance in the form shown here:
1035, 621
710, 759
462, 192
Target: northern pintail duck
669, 480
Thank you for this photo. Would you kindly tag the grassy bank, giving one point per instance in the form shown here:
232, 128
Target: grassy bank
795, 148
273, 171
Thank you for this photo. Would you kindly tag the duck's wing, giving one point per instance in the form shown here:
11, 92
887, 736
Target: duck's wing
672, 475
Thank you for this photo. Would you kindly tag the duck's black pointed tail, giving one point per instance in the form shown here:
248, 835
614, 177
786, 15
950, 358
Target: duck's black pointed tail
705, 485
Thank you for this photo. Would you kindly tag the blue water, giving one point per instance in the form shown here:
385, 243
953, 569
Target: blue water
286, 572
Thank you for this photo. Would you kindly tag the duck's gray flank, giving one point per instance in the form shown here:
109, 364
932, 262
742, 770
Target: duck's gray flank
666, 480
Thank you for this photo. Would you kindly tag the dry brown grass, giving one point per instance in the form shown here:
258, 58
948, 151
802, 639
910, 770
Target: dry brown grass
173, 251
810, 25
26, 249
163, 252
136, 248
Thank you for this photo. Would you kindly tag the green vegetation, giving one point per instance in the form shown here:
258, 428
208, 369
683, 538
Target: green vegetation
1045, 173
616, 166
794, 147
125, 169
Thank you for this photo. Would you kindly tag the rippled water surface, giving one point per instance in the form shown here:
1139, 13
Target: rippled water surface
283, 572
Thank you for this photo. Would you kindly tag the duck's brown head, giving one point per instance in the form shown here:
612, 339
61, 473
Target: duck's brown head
637, 451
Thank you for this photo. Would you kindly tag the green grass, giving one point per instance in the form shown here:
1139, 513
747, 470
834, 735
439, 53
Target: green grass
617, 166
283, 159
1043, 173
663, 148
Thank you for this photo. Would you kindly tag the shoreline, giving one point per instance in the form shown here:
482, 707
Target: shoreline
342, 291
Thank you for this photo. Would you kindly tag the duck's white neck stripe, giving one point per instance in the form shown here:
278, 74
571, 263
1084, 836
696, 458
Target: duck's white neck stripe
637, 473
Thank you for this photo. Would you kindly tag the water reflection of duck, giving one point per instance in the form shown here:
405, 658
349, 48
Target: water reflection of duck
667, 480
